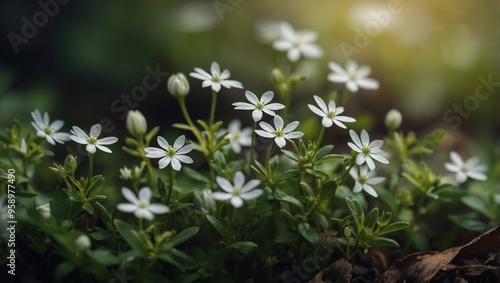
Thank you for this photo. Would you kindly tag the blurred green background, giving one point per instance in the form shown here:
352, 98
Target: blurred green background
82, 58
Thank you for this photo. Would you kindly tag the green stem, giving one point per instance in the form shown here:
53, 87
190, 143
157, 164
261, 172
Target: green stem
212, 108
345, 97
194, 129
252, 147
320, 138
170, 185
141, 223
91, 166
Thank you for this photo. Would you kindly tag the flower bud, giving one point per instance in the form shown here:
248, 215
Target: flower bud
393, 120
208, 200
44, 210
178, 85
125, 173
70, 164
136, 123
82, 242
278, 76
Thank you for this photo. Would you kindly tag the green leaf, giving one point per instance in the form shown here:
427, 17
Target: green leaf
467, 221
285, 238
96, 197
393, 227
58, 204
131, 142
308, 233
382, 242
330, 158
130, 151
100, 235
88, 207
288, 175
182, 126
104, 257
237, 165
95, 182
355, 207
63, 269
322, 152
282, 196
149, 136
195, 175
243, 246
105, 216
259, 168
126, 232
477, 204
183, 236
221, 229
320, 219
290, 155
371, 218
306, 189
168, 258
260, 210
219, 159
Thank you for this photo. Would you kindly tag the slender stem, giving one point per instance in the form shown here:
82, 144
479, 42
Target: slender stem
345, 97
91, 166
320, 138
170, 185
271, 149
252, 147
194, 129
141, 223
212, 108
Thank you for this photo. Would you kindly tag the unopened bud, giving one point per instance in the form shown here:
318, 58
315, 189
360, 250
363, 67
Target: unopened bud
70, 164
82, 242
44, 210
178, 85
136, 123
278, 76
393, 120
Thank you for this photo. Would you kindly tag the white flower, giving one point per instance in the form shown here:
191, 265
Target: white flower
238, 137
279, 133
141, 207
79, 136
297, 43
44, 210
364, 180
171, 154
330, 113
239, 191
352, 76
468, 169
259, 106
216, 79
47, 130
367, 151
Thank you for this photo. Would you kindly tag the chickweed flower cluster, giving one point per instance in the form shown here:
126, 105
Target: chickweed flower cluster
237, 200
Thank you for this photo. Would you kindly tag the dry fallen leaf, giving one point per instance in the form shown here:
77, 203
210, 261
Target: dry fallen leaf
423, 266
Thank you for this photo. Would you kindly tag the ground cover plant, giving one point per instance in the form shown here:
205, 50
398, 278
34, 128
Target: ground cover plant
211, 200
